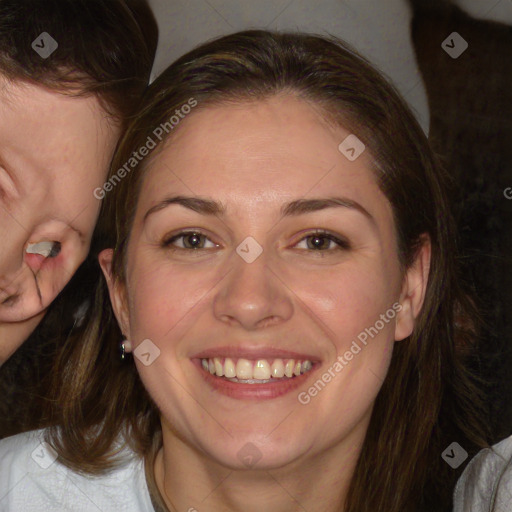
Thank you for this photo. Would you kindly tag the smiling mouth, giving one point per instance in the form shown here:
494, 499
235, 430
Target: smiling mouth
255, 379
259, 371
46, 249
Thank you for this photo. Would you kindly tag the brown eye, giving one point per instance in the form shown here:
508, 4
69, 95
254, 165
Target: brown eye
189, 240
321, 241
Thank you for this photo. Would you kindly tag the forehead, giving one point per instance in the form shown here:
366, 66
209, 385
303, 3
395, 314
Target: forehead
47, 130
280, 147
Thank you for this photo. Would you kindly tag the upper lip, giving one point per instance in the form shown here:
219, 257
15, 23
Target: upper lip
254, 353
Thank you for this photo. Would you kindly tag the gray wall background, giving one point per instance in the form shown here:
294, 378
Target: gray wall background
379, 29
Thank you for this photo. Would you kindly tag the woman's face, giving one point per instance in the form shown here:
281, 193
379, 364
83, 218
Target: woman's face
54, 150
256, 285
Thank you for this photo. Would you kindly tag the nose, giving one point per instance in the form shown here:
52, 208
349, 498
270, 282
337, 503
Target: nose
252, 295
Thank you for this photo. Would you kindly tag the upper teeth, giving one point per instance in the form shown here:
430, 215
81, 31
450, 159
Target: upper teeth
261, 369
42, 248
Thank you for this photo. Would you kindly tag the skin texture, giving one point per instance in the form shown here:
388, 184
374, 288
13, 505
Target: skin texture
54, 150
253, 158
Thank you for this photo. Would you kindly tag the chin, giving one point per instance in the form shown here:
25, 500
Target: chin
249, 456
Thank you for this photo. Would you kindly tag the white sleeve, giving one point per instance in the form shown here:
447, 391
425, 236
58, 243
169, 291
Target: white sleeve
33, 480
486, 483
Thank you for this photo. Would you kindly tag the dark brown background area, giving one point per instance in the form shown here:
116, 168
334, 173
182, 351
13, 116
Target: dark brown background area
470, 104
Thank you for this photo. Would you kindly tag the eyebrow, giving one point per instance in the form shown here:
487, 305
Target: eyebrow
293, 208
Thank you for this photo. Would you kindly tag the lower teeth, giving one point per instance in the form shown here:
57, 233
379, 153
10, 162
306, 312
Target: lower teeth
256, 381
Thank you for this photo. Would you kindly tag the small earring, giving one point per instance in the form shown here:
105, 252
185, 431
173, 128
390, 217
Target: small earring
126, 346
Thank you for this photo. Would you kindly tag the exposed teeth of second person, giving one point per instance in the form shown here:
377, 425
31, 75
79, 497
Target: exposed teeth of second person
42, 248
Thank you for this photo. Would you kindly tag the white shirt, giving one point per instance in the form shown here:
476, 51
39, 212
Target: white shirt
32, 480
488, 475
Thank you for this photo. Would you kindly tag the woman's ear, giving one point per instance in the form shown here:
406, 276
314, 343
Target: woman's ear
117, 291
414, 287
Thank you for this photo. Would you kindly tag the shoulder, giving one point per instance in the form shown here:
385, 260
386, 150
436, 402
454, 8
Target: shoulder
486, 481
32, 478
15, 456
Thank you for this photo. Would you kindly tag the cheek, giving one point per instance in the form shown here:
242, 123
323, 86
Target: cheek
350, 305
343, 303
349, 301
163, 297
354, 309
82, 199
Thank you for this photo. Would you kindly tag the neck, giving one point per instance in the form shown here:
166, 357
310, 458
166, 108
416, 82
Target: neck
188, 480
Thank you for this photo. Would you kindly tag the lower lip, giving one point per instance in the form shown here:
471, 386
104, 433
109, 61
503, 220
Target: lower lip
244, 391
38, 262
34, 260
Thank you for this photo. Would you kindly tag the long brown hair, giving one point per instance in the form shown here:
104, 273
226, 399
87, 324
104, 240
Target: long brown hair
429, 397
